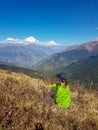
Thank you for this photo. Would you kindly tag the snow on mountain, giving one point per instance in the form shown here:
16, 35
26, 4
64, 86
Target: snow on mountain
52, 43
26, 52
30, 40
27, 41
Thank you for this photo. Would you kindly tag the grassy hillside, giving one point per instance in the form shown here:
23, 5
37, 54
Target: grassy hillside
22, 106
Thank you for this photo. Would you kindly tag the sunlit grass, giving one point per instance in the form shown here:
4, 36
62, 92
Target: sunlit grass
22, 106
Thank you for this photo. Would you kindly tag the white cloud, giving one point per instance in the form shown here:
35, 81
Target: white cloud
27, 41
97, 28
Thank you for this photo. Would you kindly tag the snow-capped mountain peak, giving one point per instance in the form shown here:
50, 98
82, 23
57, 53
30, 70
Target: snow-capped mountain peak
31, 40
27, 41
51, 43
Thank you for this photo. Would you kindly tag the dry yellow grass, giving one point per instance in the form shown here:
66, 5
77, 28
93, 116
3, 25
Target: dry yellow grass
22, 106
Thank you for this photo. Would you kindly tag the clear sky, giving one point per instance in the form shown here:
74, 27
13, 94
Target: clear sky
62, 21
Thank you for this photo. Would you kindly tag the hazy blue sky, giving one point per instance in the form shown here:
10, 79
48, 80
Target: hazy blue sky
63, 21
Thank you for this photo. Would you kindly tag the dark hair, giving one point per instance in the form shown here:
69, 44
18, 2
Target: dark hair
65, 81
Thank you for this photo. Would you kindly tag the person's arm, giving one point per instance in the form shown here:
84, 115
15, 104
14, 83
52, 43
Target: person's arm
53, 85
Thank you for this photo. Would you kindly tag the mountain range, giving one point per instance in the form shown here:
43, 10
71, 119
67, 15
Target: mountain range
71, 55
80, 62
27, 52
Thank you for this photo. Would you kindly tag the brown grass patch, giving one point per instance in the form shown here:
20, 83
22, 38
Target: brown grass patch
22, 106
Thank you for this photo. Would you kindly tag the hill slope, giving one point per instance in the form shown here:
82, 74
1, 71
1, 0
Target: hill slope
79, 62
85, 71
27, 54
72, 55
22, 106
22, 55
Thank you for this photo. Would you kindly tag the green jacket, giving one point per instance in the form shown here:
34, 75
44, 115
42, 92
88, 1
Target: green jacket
62, 95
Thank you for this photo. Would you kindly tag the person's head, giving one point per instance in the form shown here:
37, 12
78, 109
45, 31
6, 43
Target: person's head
62, 77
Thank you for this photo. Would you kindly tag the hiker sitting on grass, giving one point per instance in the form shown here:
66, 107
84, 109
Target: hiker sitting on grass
60, 92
